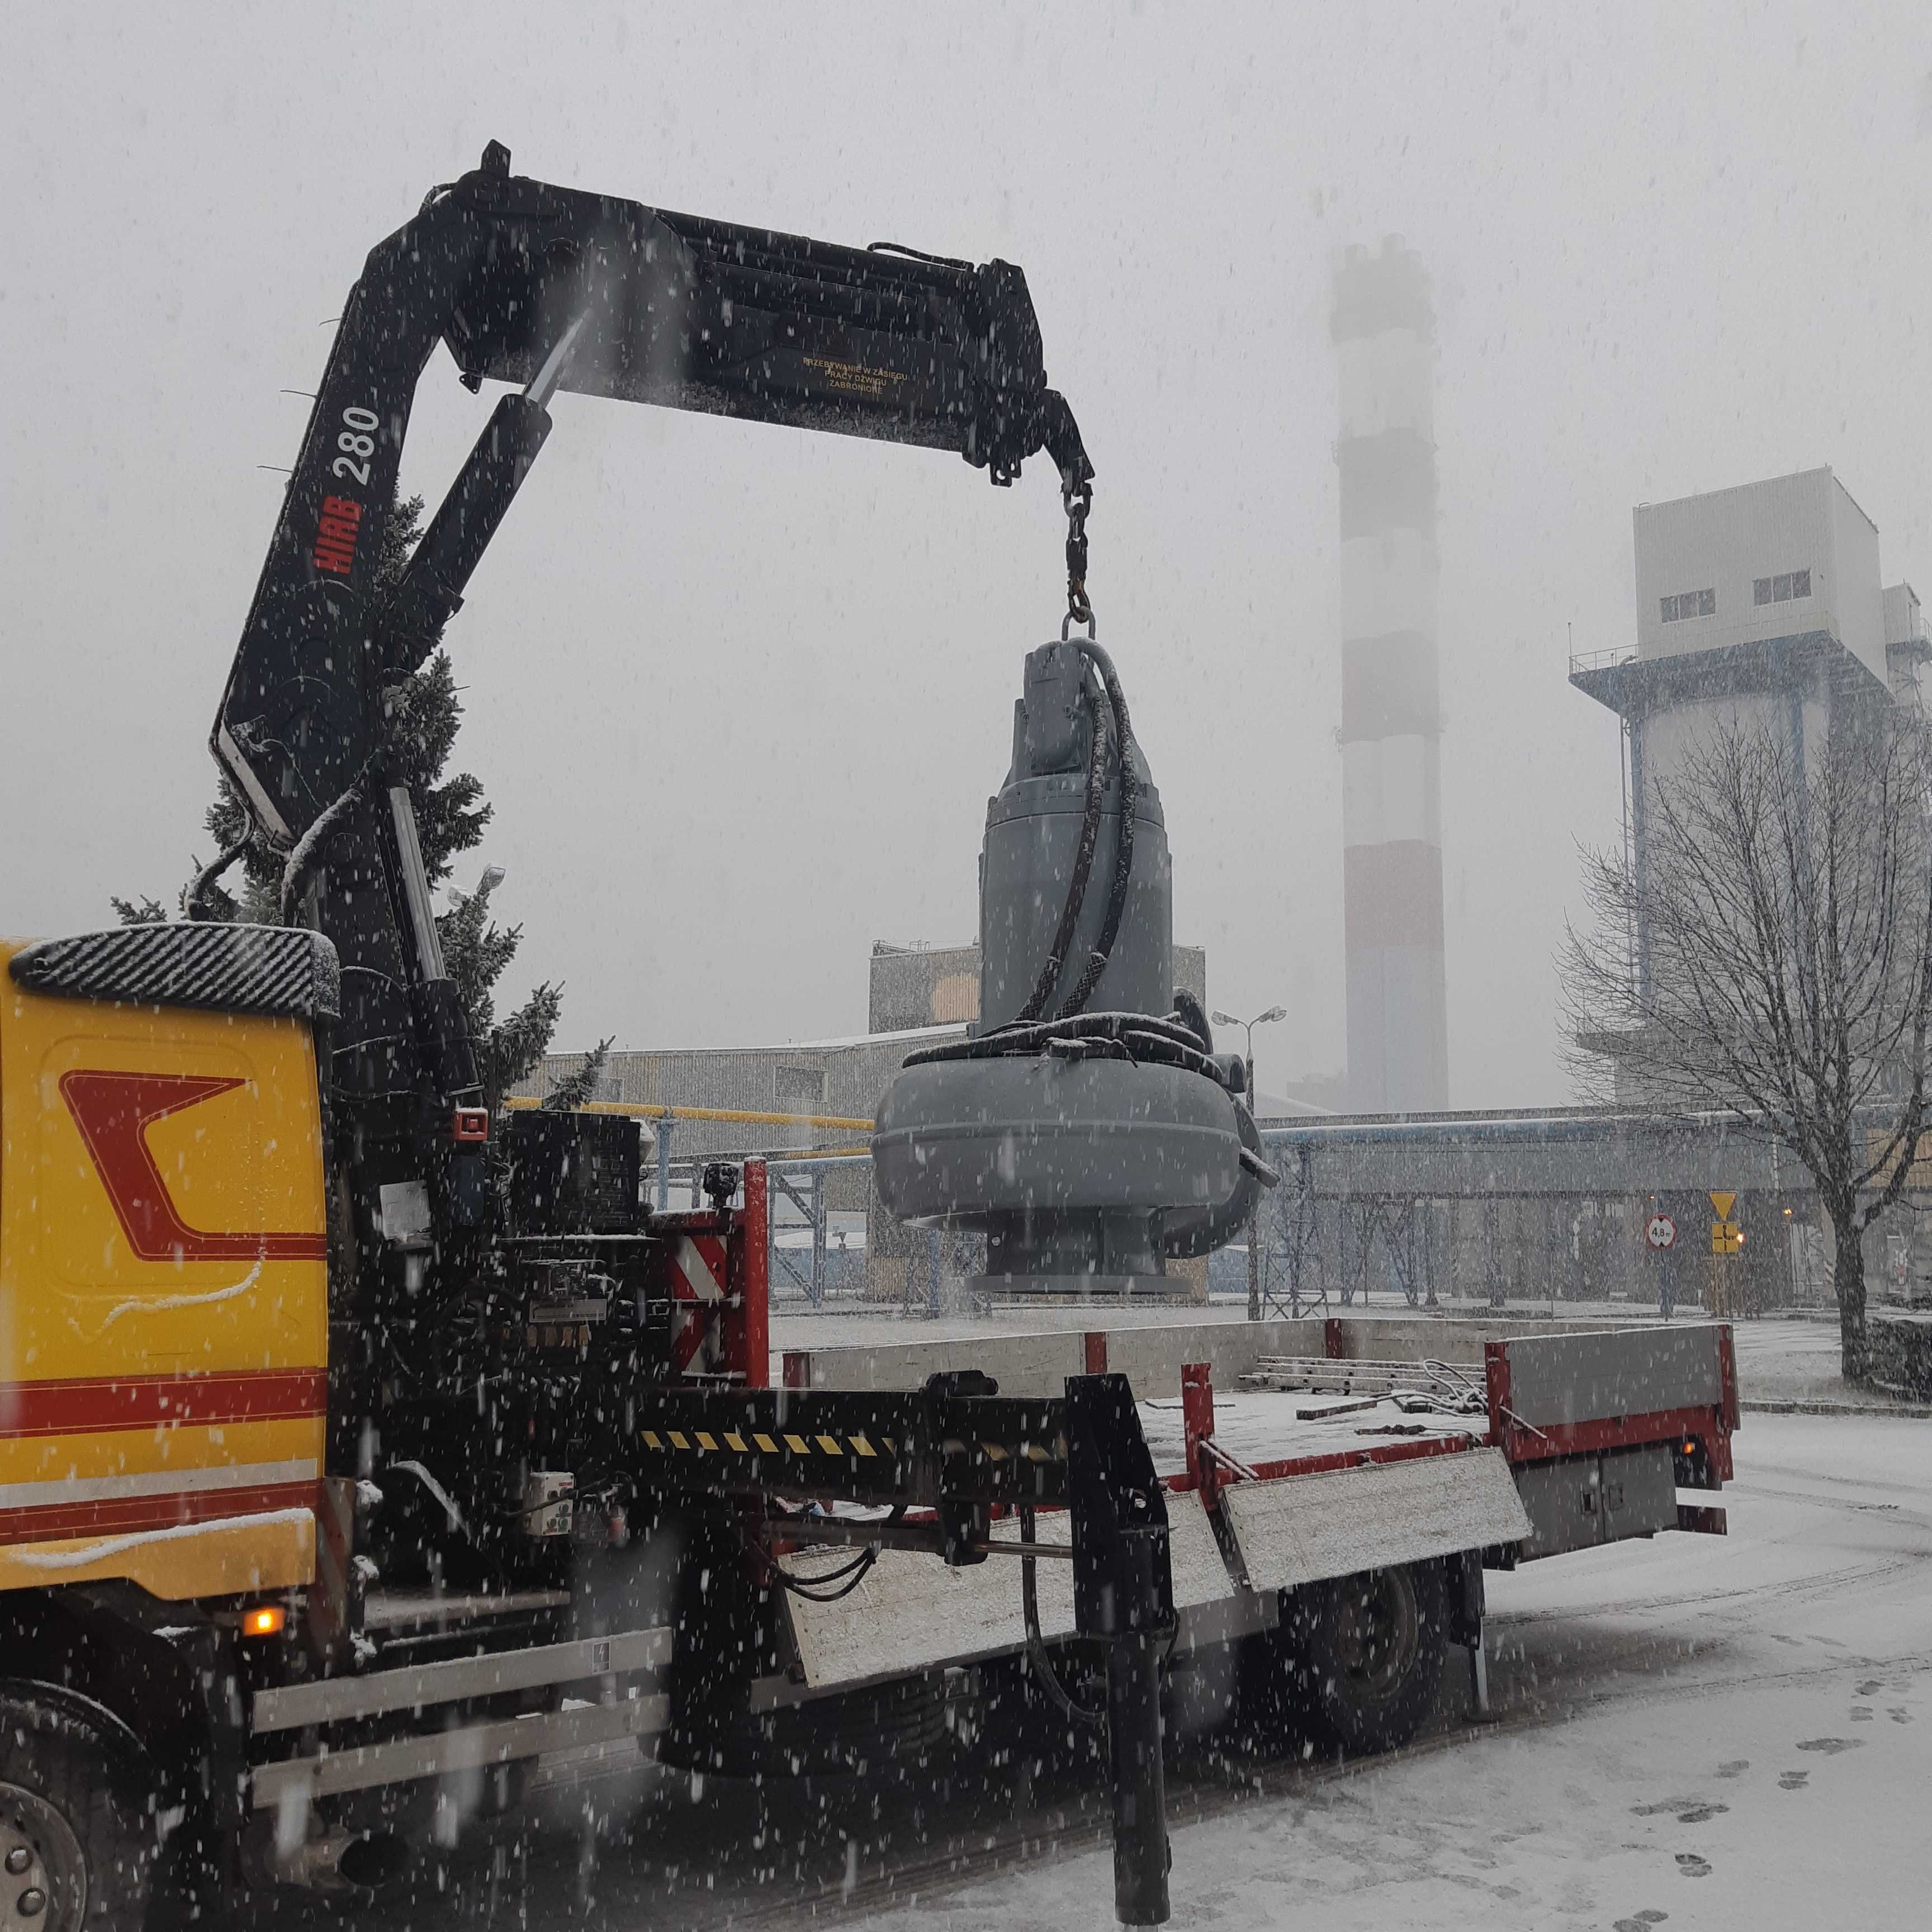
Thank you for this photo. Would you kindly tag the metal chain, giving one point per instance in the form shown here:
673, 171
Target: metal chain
1078, 503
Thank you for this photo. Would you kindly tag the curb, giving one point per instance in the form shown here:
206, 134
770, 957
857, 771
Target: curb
1910, 1413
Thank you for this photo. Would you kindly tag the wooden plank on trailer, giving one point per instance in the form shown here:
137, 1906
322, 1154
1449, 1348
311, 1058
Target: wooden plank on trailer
1303, 1529
911, 1612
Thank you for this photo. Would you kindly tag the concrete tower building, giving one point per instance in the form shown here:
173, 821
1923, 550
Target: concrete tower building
1384, 326
1761, 607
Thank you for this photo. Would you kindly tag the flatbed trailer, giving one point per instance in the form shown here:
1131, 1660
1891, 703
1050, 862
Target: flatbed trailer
1286, 1495
1393, 1457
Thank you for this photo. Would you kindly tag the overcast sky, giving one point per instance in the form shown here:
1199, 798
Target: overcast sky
739, 694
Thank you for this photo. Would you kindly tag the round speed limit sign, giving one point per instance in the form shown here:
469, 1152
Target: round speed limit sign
1662, 1231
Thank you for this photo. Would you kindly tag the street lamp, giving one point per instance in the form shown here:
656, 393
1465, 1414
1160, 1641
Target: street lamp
1254, 1216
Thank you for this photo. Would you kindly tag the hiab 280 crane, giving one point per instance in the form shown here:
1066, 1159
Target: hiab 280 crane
259, 1265
364, 1458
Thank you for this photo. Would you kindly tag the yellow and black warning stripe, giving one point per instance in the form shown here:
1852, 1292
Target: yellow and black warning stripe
751, 1442
850, 1446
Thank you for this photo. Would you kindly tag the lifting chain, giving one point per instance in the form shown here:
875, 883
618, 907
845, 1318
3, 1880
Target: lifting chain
1079, 501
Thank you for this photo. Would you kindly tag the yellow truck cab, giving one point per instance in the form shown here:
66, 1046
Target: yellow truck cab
163, 1369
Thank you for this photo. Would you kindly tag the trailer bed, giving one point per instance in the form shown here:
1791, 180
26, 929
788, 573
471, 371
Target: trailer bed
1285, 1434
1297, 1452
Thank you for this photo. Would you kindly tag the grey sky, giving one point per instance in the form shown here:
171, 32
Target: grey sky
738, 694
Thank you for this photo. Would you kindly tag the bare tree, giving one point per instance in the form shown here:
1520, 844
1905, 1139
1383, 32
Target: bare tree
1768, 953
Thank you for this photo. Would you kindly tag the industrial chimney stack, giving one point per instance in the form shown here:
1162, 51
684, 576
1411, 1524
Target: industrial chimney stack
1384, 326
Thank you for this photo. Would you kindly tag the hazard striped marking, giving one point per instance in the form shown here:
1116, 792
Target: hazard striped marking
847, 1447
698, 1278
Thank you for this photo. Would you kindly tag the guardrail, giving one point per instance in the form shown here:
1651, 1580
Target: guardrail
1582, 660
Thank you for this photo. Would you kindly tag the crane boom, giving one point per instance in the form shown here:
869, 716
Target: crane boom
551, 288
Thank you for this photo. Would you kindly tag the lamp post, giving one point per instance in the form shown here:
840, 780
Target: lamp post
1254, 1217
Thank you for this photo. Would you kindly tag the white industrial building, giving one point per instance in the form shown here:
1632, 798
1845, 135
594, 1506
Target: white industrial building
1762, 606
1764, 602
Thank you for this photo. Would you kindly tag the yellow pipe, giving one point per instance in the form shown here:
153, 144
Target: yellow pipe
638, 1110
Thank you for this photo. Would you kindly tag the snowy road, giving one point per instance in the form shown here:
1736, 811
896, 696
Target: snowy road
1732, 1733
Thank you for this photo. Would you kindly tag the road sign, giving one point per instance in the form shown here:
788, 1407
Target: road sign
1721, 1205
1661, 1233
1727, 1238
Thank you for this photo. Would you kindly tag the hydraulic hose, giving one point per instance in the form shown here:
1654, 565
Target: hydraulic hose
1037, 1655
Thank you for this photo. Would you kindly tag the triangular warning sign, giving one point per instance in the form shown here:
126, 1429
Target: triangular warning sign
1724, 1203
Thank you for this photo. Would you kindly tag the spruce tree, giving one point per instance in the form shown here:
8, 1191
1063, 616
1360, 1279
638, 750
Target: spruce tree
579, 1089
421, 718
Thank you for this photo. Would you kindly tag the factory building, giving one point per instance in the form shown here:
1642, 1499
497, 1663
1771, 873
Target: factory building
1383, 327
1762, 605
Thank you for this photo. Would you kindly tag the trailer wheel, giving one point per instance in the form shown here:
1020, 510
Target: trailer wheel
76, 1848
1371, 1646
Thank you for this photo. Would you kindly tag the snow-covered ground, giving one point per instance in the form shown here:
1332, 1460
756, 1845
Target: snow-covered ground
1694, 1732
1733, 1733
1796, 1361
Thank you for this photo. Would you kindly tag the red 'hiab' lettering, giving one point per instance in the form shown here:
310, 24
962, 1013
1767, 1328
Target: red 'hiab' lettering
336, 533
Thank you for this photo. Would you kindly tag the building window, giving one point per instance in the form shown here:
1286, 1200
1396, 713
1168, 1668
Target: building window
1781, 589
1689, 604
799, 1090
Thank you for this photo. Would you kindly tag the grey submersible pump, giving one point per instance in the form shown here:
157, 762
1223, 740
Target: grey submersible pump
1086, 1126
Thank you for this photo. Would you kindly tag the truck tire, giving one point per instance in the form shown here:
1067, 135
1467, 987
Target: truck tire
1370, 1649
76, 1848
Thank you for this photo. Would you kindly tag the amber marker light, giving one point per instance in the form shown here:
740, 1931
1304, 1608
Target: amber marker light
267, 1620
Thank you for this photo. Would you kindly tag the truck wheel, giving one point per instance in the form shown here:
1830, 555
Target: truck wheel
1371, 1647
75, 1848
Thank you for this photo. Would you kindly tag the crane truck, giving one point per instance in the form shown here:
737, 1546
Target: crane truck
363, 1454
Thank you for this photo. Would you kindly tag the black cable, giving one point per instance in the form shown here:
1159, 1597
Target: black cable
809, 1587
1124, 861
1037, 1652
1164, 1041
1033, 1036
1189, 1011
849, 1578
1095, 804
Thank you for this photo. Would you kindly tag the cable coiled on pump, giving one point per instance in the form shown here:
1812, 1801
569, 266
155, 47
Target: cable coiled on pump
1090, 839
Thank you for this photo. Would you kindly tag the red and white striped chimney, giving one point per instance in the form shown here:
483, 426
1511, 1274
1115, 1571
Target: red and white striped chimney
1384, 326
